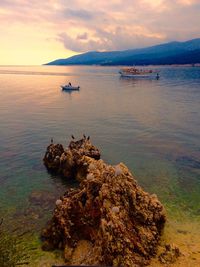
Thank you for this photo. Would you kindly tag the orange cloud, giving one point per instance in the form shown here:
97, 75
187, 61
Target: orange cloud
34, 32
188, 2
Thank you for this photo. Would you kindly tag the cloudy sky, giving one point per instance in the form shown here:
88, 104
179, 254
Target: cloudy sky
35, 32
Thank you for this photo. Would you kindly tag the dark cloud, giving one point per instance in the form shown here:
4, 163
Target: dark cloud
78, 46
83, 36
106, 41
83, 25
78, 13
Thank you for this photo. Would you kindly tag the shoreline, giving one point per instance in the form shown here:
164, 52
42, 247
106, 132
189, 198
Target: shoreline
184, 234
100, 65
181, 229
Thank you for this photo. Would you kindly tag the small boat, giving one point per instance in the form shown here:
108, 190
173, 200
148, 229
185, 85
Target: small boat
138, 73
70, 87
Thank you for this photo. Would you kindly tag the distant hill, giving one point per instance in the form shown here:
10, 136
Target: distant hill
169, 53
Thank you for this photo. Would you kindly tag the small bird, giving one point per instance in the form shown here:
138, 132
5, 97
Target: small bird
84, 136
88, 138
51, 140
72, 137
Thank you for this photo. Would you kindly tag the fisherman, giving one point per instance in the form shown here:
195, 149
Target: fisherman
69, 84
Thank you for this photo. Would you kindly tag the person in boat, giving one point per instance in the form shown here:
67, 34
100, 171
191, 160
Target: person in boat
69, 84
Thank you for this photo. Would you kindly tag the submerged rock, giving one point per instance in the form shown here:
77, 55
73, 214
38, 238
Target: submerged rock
188, 161
120, 223
43, 199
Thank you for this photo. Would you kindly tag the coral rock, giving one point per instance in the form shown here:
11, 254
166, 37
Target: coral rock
110, 211
170, 254
68, 162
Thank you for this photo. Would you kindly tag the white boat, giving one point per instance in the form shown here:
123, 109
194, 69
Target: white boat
138, 73
70, 87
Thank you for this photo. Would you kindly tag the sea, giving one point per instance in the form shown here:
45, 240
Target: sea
152, 126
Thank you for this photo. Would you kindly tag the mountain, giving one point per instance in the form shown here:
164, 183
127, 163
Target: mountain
169, 53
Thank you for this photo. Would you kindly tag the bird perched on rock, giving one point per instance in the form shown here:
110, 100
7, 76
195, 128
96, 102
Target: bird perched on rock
84, 136
52, 140
88, 138
72, 137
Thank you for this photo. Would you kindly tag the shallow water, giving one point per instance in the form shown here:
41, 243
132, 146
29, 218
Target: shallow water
150, 125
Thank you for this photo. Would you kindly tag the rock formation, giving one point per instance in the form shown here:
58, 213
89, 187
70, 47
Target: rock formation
68, 162
109, 216
170, 254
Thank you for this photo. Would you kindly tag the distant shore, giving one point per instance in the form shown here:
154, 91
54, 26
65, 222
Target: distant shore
128, 65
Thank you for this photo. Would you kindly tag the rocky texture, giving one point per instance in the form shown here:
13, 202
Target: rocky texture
118, 223
169, 255
68, 162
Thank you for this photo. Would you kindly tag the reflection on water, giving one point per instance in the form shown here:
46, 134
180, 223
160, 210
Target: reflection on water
151, 125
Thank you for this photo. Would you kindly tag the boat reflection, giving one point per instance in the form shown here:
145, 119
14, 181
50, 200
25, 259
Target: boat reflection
137, 81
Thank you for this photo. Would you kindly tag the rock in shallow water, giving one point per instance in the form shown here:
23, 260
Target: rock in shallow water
110, 210
68, 162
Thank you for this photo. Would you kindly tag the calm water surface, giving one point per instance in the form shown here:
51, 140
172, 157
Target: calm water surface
152, 126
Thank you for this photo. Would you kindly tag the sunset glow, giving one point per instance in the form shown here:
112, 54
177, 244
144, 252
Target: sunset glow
34, 32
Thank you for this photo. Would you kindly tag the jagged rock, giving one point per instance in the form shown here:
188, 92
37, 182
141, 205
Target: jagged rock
52, 156
110, 211
170, 254
67, 162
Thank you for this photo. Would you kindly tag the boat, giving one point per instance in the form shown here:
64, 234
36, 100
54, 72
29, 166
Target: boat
138, 73
70, 87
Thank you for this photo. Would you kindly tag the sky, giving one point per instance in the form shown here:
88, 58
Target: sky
36, 32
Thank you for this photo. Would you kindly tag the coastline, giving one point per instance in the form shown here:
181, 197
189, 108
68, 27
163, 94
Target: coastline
180, 231
181, 235
185, 234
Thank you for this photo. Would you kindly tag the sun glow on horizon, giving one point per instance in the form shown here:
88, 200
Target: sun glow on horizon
28, 49
35, 33
32, 56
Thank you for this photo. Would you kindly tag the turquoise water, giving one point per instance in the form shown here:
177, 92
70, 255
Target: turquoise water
152, 126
